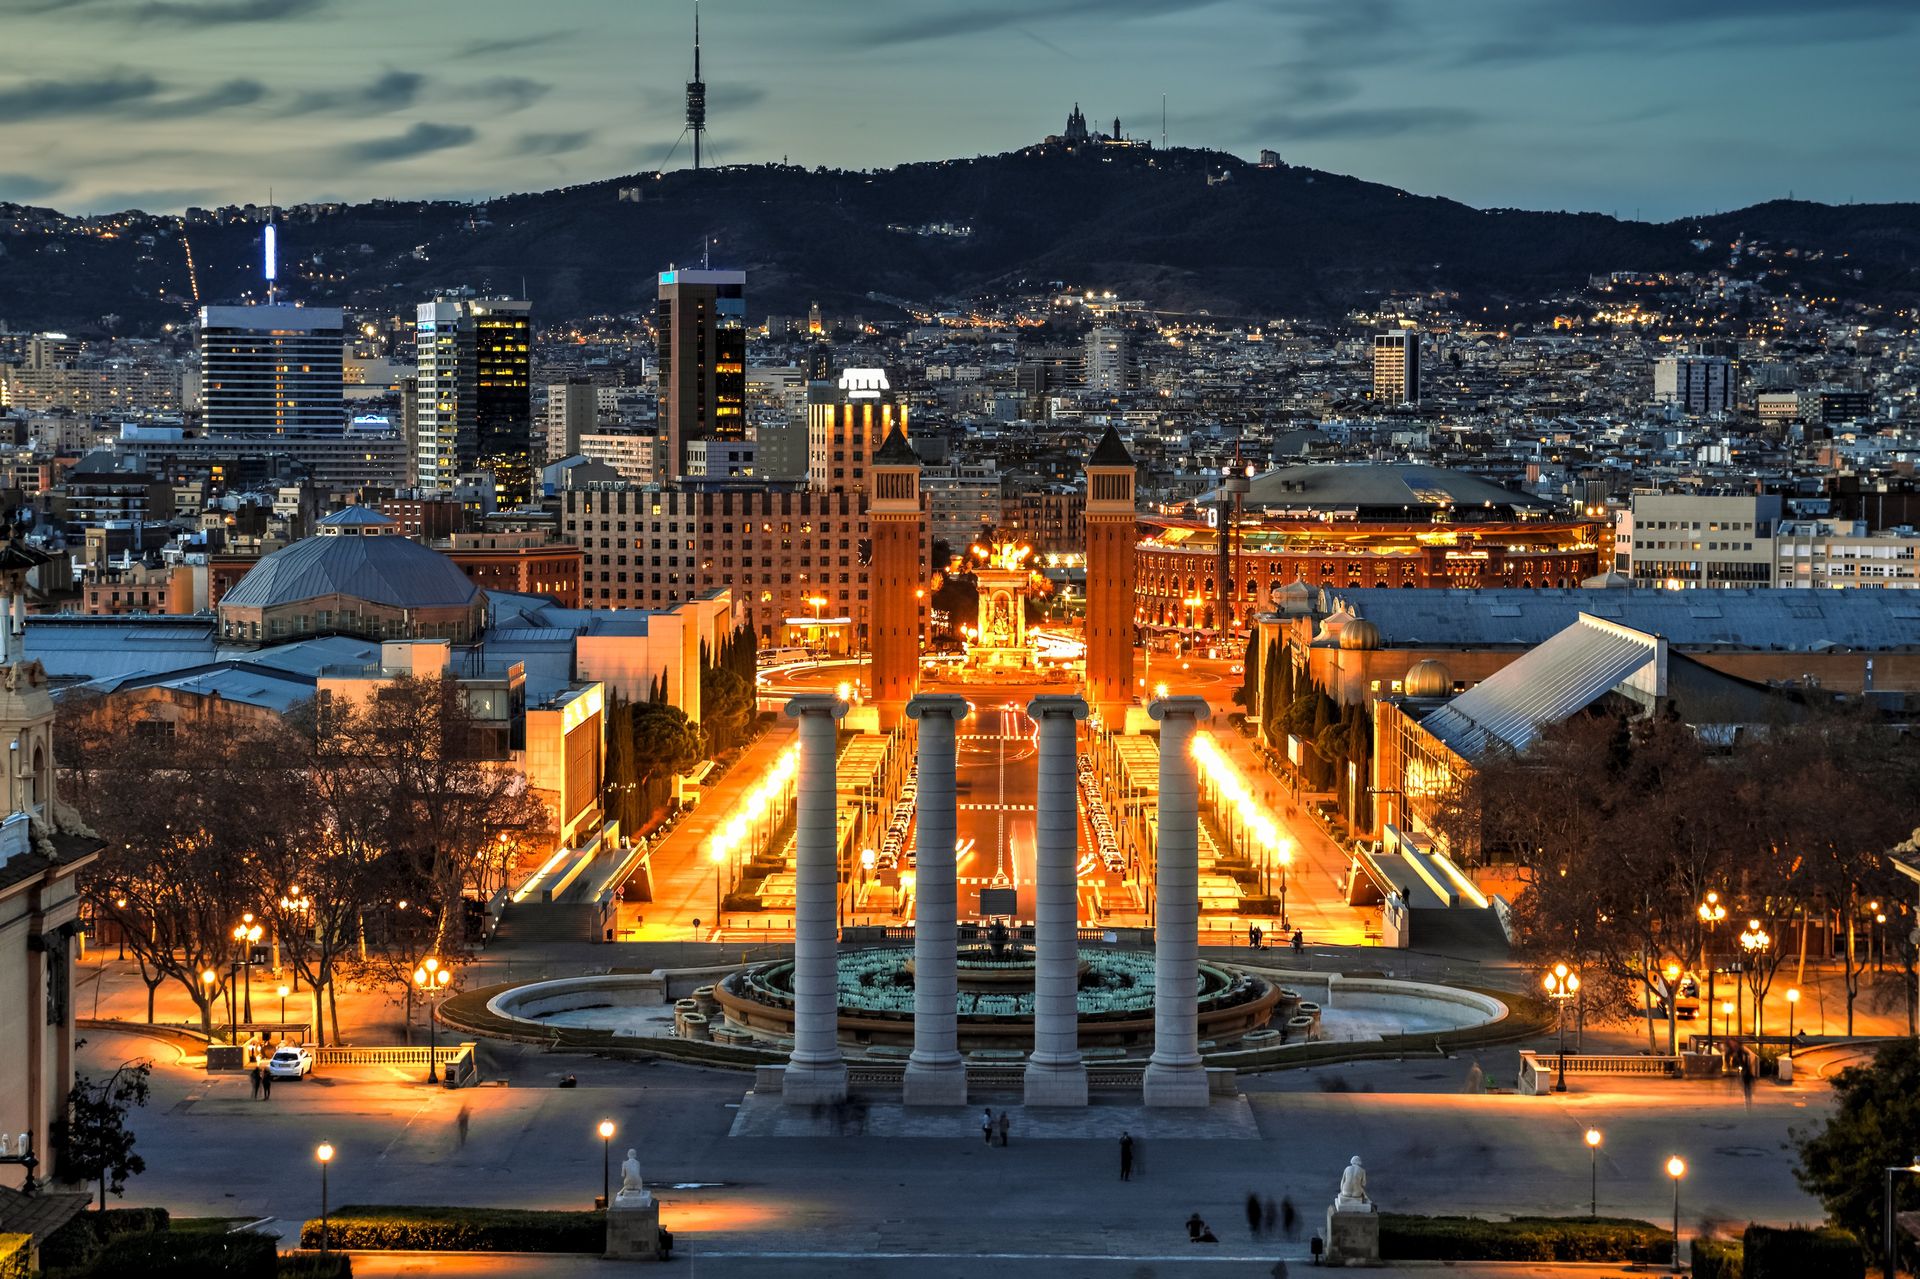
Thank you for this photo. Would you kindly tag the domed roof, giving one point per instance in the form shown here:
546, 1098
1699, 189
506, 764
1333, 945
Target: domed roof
1331, 625
389, 570
1359, 634
1427, 679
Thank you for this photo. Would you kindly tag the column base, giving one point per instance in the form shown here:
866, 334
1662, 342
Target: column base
633, 1226
814, 1085
1056, 1085
942, 1085
1174, 1085
1353, 1237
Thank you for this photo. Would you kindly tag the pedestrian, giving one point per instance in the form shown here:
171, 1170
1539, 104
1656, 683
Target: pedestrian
466, 1117
1253, 936
1000, 1125
1299, 940
1746, 1079
256, 1083
1279, 1270
1194, 1227
1269, 1216
1253, 1214
1476, 1079
986, 1126
1289, 1219
266, 1084
1126, 1156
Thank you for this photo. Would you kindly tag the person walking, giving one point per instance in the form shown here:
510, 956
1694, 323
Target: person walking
1253, 1214
1000, 1126
266, 1083
1289, 1219
1194, 1227
986, 1126
465, 1118
1126, 1156
255, 1072
1299, 940
1746, 1078
1269, 1216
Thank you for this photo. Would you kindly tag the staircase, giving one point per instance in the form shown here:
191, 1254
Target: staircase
533, 922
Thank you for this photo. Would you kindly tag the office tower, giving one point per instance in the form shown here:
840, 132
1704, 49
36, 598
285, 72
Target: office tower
1396, 367
702, 328
474, 403
1107, 359
271, 370
1701, 385
1112, 530
573, 410
898, 523
409, 389
846, 422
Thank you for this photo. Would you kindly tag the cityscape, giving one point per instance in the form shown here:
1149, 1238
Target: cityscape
1123, 704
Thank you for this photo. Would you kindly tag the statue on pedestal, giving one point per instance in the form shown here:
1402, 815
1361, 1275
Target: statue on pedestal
631, 1189
1353, 1189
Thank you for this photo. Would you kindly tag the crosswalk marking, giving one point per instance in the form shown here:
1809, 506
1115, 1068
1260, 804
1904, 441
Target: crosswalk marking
996, 808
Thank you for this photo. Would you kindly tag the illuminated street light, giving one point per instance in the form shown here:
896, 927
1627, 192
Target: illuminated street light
1793, 1005
325, 1155
1676, 1169
606, 1163
1711, 912
1593, 1172
1561, 984
718, 853
1755, 942
432, 980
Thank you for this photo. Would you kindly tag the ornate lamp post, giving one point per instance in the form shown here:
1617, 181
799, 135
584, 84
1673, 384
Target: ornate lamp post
1593, 1172
325, 1155
1711, 912
1562, 983
245, 934
1676, 1169
1755, 942
432, 980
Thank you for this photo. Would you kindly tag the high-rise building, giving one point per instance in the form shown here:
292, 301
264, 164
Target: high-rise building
1112, 529
474, 398
573, 410
271, 370
1396, 367
702, 326
897, 577
846, 422
1701, 385
1108, 362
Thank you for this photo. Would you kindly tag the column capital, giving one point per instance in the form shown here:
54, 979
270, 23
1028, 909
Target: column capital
827, 704
1162, 708
952, 705
1047, 705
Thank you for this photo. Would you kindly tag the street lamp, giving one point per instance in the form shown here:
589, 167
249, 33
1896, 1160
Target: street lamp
432, 980
283, 1009
207, 978
245, 934
1755, 942
1593, 1172
1886, 1222
1793, 1005
1672, 974
718, 854
606, 1163
1676, 1169
325, 1155
1561, 984
1711, 912
1285, 855
121, 904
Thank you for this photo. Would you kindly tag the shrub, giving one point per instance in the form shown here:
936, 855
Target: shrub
315, 1265
1718, 1259
1792, 1253
440, 1229
164, 1255
1410, 1238
75, 1245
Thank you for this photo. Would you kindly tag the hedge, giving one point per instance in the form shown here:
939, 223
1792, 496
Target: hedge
164, 1255
372, 1227
316, 1265
14, 1250
1410, 1238
75, 1245
1718, 1258
1797, 1252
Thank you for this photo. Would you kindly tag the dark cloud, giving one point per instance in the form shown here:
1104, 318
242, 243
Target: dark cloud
1640, 28
552, 143
389, 91
513, 45
39, 99
965, 19
1368, 123
508, 93
154, 201
234, 93
27, 186
421, 139
209, 13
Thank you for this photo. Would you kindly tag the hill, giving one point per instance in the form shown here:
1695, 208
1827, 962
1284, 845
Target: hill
1186, 229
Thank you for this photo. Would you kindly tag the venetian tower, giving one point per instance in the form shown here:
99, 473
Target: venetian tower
1112, 530
895, 579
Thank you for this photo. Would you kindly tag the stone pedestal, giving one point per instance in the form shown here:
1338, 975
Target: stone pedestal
816, 1072
1353, 1234
1176, 1075
936, 1074
633, 1226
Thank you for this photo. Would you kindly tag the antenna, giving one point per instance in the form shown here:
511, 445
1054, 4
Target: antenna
696, 93
270, 250
1163, 122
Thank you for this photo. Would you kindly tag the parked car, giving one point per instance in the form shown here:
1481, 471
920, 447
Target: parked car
291, 1062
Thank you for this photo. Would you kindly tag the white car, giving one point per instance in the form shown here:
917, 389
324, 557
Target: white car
291, 1062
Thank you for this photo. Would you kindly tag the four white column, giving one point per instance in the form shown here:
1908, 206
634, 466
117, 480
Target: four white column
1175, 1075
936, 1073
1055, 1074
815, 1070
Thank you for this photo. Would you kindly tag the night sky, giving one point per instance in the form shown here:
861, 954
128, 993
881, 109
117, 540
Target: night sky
1654, 107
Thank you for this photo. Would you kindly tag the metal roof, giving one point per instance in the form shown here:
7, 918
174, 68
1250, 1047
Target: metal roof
244, 682
1552, 683
381, 570
1760, 619
106, 647
1366, 484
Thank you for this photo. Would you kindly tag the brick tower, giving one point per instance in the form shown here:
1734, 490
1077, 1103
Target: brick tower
897, 577
1112, 530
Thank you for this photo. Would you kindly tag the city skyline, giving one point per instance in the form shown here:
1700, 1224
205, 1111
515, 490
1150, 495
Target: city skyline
1633, 110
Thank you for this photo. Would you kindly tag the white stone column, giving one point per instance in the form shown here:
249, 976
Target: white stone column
1055, 1074
936, 1074
1175, 1075
815, 1070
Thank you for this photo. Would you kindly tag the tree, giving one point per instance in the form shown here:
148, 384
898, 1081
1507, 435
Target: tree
1843, 1164
92, 1138
726, 707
